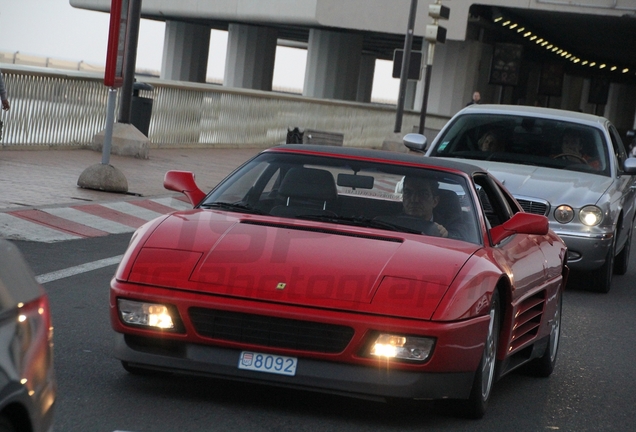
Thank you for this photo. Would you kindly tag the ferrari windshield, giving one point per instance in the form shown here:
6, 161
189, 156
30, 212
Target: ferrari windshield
525, 140
352, 192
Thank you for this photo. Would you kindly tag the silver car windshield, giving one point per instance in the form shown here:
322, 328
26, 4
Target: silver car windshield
526, 140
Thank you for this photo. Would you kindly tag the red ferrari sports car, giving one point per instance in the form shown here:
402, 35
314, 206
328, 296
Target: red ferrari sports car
344, 270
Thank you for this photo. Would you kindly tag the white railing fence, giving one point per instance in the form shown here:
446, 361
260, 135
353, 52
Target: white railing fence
52, 108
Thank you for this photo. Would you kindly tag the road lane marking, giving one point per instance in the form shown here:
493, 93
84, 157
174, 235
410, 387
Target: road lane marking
79, 269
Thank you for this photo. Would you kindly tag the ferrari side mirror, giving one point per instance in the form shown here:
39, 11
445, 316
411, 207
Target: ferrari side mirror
520, 223
183, 181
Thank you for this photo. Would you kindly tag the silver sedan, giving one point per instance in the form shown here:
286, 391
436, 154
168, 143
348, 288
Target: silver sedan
569, 166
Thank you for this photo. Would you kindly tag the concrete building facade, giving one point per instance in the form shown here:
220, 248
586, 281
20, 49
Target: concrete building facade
575, 55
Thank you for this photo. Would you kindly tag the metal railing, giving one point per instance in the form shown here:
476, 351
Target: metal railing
52, 108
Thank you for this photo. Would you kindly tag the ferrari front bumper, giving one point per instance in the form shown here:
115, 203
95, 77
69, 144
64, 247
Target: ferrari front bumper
311, 374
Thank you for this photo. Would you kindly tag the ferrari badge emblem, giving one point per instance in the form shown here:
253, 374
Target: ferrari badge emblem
281, 286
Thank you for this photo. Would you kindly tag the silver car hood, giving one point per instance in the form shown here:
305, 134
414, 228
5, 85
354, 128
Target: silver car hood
557, 186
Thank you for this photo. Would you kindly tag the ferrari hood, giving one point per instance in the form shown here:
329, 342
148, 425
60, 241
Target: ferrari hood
557, 186
291, 261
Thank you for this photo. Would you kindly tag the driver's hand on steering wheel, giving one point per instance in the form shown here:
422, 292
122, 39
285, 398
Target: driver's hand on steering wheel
443, 232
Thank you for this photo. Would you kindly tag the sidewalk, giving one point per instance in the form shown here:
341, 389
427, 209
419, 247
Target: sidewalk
40, 199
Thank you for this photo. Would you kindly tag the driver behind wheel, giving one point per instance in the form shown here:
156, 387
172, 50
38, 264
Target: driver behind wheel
420, 197
430, 209
572, 149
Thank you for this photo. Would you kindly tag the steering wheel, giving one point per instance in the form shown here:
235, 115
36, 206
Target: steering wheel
418, 224
568, 156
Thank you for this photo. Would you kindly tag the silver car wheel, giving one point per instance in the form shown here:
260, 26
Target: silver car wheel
555, 331
490, 355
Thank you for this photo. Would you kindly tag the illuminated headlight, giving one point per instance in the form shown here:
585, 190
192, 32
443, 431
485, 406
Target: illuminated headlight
564, 214
402, 347
145, 314
591, 215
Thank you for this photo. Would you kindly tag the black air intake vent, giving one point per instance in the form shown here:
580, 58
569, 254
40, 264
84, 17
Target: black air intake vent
270, 331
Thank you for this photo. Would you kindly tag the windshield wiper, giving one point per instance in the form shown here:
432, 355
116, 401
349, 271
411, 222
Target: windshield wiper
329, 218
359, 221
375, 223
237, 207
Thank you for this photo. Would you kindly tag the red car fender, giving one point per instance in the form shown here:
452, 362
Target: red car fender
469, 294
546, 293
137, 241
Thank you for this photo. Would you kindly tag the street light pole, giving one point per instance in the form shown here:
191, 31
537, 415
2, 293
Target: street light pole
427, 85
132, 40
434, 33
406, 59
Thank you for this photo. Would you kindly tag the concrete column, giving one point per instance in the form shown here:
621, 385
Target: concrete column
415, 88
586, 106
251, 52
621, 106
481, 58
532, 84
571, 94
585, 94
333, 65
365, 80
185, 52
411, 95
459, 69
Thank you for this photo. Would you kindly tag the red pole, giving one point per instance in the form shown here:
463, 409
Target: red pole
114, 74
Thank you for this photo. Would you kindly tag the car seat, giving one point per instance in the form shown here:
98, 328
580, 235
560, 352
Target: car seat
306, 191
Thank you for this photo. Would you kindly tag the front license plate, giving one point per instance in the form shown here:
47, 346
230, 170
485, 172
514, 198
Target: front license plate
270, 363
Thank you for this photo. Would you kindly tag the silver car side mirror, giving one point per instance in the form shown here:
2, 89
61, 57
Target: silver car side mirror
629, 166
416, 142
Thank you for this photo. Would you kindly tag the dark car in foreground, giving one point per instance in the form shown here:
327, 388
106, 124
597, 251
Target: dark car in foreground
27, 378
569, 166
304, 268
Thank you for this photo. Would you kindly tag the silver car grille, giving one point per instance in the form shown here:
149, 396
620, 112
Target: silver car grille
533, 206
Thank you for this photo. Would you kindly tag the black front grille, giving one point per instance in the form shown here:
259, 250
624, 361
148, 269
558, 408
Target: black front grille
270, 331
535, 207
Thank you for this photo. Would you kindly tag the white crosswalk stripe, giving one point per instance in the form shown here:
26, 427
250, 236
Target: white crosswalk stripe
15, 228
174, 203
133, 210
93, 221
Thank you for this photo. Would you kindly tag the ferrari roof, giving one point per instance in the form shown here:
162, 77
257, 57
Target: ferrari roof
379, 155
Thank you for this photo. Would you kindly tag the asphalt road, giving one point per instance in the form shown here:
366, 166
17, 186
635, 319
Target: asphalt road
593, 387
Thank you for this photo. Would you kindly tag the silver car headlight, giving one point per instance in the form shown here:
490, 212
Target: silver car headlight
590, 215
564, 214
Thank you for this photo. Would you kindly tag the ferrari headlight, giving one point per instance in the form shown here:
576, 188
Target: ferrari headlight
591, 215
145, 314
564, 214
402, 347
